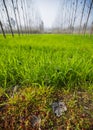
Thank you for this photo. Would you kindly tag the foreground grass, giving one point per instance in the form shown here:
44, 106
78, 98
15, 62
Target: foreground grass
62, 61
17, 109
55, 60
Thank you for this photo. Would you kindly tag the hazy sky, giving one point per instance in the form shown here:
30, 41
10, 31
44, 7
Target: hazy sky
48, 10
51, 12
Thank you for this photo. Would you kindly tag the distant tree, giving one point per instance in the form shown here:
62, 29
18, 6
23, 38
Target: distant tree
2, 15
8, 17
28, 4
88, 16
70, 7
91, 31
75, 14
65, 13
61, 15
41, 26
15, 16
12, 22
26, 16
22, 7
2, 29
17, 8
82, 14
73, 4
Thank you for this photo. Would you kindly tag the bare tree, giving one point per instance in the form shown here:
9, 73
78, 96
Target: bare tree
82, 14
2, 29
17, 8
23, 14
15, 16
91, 31
25, 10
8, 18
2, 16
28, 16
88, 16
70, 7
73, 3
75, 14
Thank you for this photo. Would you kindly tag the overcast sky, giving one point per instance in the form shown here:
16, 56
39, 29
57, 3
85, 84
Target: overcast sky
48, 10
51, 12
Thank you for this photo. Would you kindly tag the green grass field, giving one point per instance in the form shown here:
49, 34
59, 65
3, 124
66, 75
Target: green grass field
38, 70
52, 60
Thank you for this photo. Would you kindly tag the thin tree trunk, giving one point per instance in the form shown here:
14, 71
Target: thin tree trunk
62, 17
8, 18
15, 17
28, 16
91, 31
24, 4
2, 17
23, 15
19, 16
72, 16
2, 29
88, 16
65, 14
82, 14
75, 14
70, 7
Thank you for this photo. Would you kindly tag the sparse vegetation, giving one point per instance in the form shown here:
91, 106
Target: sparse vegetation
17, 111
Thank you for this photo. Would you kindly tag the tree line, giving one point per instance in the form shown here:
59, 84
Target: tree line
20, 18
22, 22
74, 15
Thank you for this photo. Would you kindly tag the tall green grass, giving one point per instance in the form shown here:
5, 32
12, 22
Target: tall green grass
52, 60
